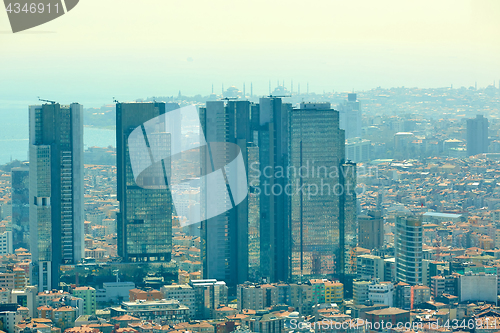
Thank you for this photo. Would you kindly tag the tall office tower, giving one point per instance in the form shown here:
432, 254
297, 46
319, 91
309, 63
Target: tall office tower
20, 205
371, 230
477, 135
408, 248
56, 190
322, 194
271, 126
350, 117
225, 236
144, 223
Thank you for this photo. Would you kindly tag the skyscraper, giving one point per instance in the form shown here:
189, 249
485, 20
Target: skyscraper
20, 205
56, 190
477, 135
271, 124
144, 223
225, 236
408, 249
322, 194
350, 117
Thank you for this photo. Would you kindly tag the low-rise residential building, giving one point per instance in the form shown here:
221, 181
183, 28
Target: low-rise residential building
170, 310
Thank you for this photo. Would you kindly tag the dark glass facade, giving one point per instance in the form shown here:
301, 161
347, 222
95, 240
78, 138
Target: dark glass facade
144, 223
272, 128
225, 237
322, 195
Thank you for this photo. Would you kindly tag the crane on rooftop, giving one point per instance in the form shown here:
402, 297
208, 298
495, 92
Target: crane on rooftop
279, 96
46, 100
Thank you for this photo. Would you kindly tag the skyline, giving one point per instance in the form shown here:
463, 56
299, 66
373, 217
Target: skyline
249, 166
15, 114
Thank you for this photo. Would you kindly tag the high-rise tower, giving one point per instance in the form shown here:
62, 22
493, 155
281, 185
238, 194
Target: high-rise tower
56, 190
225, 236
477, 135
144, 223
408, 249
271, 124
350, 117
322, 194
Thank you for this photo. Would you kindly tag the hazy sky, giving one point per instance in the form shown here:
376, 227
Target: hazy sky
130, 49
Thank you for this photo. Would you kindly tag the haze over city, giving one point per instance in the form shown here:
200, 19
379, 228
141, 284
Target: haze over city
126, 50
249, 166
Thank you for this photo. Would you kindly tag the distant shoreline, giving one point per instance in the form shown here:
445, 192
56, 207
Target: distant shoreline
111, 128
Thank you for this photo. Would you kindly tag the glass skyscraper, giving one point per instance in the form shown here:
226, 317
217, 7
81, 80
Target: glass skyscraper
144, 223
225, 237
322, 194
56, 190
272, 126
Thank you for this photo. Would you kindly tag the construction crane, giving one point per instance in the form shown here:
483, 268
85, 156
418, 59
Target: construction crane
228, 98
46, 100
280, 96
115, 101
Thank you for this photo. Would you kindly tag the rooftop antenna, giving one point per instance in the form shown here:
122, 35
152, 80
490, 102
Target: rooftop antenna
46, 100
116, 271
